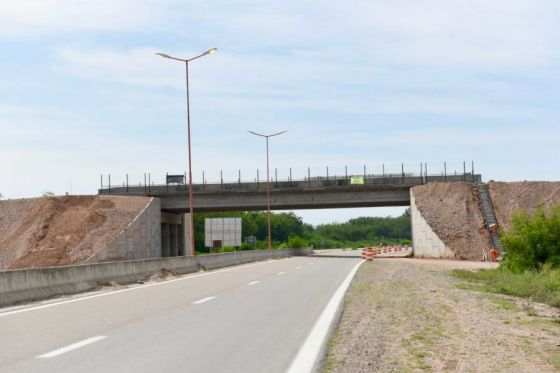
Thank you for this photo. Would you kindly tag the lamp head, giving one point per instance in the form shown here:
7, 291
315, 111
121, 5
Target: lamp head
211, 51
163, 55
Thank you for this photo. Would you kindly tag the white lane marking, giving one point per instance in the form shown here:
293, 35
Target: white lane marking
71, 347
310, 263
281, 273
203, 300
253, 282
298, 267
134, 288
309, 352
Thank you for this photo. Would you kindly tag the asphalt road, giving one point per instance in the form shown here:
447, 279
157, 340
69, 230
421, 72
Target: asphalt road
252, 318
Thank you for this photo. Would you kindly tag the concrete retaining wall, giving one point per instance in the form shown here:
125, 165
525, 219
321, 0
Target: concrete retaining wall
425, 241
34, 284
141, 239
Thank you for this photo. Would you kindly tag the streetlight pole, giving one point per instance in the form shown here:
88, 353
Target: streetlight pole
191, 210
268, 182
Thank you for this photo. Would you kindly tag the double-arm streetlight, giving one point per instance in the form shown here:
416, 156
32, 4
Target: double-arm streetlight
268, 182
186, 61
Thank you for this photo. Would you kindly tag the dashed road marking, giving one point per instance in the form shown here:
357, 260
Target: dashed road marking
71, 347
203, 300
253, 282
298, 267
281, 273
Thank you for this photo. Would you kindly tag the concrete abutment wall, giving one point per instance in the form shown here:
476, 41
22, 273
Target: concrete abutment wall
425, 242
141, 239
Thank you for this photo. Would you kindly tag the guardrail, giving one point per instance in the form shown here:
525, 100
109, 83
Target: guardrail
24, 285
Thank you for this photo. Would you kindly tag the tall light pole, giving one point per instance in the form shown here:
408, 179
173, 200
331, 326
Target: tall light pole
186, 61
268, 182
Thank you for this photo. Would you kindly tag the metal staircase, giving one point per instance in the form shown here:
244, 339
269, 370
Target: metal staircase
488, 214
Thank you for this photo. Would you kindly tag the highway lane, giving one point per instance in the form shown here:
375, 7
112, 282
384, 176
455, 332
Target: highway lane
251, 318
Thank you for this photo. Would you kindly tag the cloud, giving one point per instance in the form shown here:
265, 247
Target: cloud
475, 34
31, 19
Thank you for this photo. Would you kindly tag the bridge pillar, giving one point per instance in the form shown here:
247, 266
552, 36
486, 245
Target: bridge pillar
186, 234
165, 240
174, 239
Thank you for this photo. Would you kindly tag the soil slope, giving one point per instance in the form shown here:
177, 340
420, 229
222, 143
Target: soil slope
452, 211
54, 231
527, 195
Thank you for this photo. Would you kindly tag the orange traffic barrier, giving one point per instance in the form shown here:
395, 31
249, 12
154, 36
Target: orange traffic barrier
369, 254
364, 253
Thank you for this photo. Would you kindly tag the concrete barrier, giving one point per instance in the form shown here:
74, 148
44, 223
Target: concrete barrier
26, 285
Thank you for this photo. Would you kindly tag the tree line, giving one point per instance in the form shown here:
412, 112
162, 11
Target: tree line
289, 230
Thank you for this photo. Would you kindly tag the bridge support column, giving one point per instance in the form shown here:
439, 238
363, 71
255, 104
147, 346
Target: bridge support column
165, 240
187, 235
174, 239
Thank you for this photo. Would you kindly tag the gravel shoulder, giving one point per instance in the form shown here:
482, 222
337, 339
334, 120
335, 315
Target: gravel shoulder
408, 315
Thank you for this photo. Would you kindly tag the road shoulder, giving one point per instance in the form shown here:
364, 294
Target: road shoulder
411, 314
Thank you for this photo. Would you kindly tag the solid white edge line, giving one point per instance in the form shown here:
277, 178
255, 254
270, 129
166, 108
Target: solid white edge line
73, 346
309, 352
203, 300
186, 277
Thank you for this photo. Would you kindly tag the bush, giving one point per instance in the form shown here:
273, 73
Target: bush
246, 246
533, 241
296, 242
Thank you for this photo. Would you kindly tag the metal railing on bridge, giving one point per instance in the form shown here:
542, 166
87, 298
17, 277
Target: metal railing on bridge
315, 182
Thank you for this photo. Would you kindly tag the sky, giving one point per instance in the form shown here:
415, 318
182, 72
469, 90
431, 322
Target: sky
378, 82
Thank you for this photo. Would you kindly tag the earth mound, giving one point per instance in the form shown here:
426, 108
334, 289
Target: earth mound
508, 198
54, 231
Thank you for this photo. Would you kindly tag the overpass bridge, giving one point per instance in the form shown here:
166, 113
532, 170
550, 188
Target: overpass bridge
307, 193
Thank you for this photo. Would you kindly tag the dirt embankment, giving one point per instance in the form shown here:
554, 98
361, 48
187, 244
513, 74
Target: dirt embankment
53, 231
527, 195
453, 213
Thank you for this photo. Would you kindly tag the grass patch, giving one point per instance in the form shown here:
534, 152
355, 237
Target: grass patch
541, 286
556, 360
504, 304
330, 361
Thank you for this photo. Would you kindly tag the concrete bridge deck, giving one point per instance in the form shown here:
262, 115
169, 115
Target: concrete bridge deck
313, 193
